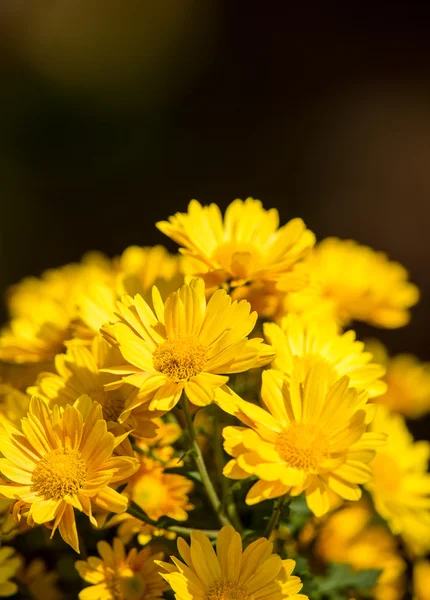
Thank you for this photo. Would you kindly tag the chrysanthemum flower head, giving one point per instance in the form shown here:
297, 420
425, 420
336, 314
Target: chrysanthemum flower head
400, 487
311, 438
407, 380
10, 563
44, 309
350, 537
299, 345
159, 493
247, 246
81, 371
362, 284
230, 573
188, 345
120, 576
60, 460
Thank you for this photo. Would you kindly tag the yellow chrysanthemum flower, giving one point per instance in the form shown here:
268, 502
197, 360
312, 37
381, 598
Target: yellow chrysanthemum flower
13, 404
407, 379
422, 580
158, 493
230, 573
187, 345
247, 246
63, 459
81, 371
299, 345
10, 563
120, 576
312, 438
401, 485
362, 283
43, 310
135, 272
129, 526
40, 583
350, 537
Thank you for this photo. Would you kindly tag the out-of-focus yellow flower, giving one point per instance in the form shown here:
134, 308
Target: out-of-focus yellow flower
407, 379
10, 563
9, 527
188, 345
247, 246
362, 284
349, 537
43, 310
299, 346
422, 580
401, 485
119, 575
312, 438
60, 460
40, 583
229, 573
135, 272
158, 493
129, 526
81, 371
13, 404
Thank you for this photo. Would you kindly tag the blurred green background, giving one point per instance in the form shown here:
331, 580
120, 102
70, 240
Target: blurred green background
114, 114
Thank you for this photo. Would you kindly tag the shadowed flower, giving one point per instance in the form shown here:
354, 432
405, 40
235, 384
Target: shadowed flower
120, 576
63, 459
363, 285
422, 580
40, 583
230, 573
10, 563
187, 345
312, 438
299, 345
401, 485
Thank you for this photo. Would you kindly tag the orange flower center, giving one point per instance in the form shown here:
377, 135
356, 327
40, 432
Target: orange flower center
302, 446
180, 358
60, 473
227, 590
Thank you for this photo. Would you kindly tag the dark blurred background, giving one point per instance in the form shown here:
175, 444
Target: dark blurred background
114, 114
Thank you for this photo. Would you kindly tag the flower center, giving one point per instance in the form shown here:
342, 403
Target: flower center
180, 358
60, 473
302, 446
227, 590
387, 475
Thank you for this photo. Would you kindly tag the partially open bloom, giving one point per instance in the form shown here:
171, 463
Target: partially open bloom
60, 460
299, 345
230, 573
312, 438
349, 536
408, 382
81, 371
362, 283
43, 310
120, 576
10, 563
248, 246
422, 580
401, 485
187, 345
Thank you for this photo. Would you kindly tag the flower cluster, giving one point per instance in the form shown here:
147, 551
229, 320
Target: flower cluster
219, 396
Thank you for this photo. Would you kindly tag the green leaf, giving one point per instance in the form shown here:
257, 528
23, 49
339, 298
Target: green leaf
341, 577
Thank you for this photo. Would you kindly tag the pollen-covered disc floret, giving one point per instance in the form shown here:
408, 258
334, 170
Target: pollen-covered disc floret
187, 344
63, 459
230, 573
180, 358
312, 438
60, 473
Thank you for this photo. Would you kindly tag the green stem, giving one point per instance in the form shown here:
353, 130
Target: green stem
211, 533
274, 517
201, 467
165, 524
